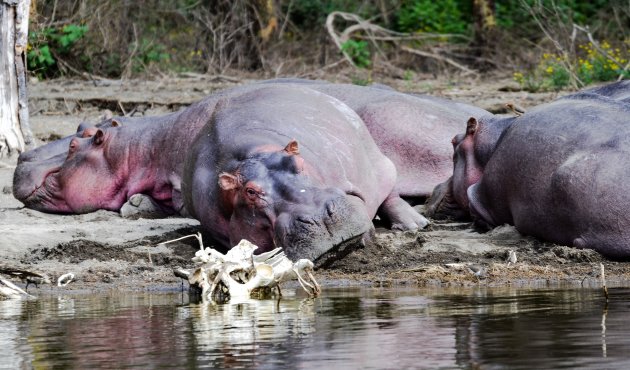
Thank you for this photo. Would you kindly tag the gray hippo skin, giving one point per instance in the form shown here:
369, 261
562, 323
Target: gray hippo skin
412, 130
295, 168
474, 148
146, 155
556, 173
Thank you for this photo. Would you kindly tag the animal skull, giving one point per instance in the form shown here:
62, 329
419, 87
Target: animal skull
240, 272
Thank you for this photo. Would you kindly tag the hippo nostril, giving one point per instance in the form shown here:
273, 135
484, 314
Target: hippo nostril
330, 209
305, 220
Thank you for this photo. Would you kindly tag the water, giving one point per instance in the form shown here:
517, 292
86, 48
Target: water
367, 328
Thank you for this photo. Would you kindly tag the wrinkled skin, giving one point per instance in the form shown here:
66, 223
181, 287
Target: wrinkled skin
103, 166
555, 173
305, 175
141, 156
410, 130
474, 148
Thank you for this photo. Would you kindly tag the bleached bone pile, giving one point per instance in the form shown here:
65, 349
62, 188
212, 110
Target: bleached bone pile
239, 272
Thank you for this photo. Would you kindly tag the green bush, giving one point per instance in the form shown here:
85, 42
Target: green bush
358, 51
433, 16
551, 73
47, 44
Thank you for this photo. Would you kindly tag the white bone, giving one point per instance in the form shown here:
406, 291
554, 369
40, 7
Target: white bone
267, 269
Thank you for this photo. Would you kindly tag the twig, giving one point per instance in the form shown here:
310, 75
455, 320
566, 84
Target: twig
122, 108
603, 277
575, 80
328, 66
127, 69
197, 236
440, 57
331, 31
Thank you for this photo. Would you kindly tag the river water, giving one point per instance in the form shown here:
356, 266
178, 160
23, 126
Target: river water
350, 328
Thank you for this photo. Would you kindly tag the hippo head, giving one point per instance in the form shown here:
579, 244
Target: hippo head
273, 203
78, 181
467, 169
472, 151
34, 166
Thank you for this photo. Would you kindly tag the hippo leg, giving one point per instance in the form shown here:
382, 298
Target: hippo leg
400, 214
443, 205
478, 210
141, 206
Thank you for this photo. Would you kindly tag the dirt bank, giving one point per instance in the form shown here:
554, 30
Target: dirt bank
108, 252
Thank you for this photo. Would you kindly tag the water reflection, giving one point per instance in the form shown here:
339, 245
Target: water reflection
344, 328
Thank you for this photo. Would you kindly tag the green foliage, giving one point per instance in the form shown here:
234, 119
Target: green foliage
358, 51
594, 66
552, 72
444, 16
49, 43
149, 52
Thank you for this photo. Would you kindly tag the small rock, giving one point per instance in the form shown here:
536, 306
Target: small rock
7, 189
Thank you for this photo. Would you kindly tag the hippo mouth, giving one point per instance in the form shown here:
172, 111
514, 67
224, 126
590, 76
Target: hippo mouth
344, 223
45, 196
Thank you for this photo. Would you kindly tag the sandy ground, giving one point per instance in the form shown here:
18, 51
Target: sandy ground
106, 251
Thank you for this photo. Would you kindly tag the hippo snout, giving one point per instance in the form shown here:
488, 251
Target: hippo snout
311, 232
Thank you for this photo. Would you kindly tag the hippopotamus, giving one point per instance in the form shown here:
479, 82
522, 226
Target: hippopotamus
412, 137
295, 168
412, 130
553, 173
51, 178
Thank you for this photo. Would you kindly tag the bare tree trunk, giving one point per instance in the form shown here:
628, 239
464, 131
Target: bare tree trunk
15, 131
485, 30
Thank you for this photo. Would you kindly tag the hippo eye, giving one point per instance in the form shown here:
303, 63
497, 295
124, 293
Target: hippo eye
251, 192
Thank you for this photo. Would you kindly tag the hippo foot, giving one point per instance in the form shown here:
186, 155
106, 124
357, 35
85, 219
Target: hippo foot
141, 206
441, 205
401, 215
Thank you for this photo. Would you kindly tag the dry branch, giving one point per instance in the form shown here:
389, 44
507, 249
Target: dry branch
365, 30
466, 70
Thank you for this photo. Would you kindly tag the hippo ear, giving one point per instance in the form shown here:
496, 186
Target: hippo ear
292, 147
82, 126
98, 137
107, 114
116, 123
471, 126
227, 181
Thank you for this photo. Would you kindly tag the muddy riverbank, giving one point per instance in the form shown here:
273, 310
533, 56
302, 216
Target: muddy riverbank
106, 251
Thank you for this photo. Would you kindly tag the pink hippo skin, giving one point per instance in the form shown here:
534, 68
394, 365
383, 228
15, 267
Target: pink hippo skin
146, 155
555, 173
412, 130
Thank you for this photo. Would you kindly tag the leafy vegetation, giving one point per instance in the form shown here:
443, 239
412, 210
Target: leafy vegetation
446, 16
125, 39
358, 51
47, 44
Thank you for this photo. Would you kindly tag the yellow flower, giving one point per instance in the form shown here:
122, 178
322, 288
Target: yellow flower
549, 70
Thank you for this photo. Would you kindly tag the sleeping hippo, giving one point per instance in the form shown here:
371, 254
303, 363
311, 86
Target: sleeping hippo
412, 135
281, 166
412, 130
295, 168
555, 172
